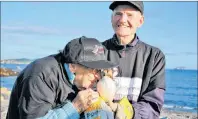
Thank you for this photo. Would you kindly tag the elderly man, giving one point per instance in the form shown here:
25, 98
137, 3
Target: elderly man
142, 65
59, 86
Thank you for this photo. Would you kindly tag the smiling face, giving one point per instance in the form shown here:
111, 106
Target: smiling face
125, 20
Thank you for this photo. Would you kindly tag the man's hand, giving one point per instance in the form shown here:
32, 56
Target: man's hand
84, 99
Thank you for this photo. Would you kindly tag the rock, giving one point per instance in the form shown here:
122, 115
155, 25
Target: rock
169, 114
5, 94
7, 72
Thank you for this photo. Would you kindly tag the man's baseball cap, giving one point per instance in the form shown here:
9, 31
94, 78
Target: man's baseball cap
88, 52
136, 4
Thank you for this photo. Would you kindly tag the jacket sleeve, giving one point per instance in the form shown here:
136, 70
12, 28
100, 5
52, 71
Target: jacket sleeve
67, 111
152, 100
38, 96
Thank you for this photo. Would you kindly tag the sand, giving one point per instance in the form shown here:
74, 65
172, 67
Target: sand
165, 113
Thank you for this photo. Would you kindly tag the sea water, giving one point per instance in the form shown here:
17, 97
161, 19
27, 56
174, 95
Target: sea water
181, 87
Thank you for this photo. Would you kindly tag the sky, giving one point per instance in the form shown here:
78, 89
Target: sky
37, 29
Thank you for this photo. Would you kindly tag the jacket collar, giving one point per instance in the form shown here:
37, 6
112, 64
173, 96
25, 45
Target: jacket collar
116, 42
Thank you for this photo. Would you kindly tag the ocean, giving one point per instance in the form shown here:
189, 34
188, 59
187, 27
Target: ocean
181, 88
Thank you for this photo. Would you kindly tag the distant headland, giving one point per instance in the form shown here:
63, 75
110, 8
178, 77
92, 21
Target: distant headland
16, 61
27, 61
4, 72
180, 68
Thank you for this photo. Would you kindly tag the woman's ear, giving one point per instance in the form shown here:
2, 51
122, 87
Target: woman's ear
97, 74
72, 67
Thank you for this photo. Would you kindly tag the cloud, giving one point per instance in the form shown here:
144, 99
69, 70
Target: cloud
171, 54
23, 30
181, 53
189, 53
153, 15
27, 53
31, 30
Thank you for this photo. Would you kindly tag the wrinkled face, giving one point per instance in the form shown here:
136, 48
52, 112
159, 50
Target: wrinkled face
125, 20
85, 77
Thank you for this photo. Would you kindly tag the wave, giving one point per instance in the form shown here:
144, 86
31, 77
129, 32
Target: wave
180, 108
188, 88
177, 94
180, 104
183, 107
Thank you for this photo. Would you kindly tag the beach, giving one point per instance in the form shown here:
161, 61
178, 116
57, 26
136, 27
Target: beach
5, 93
178, 115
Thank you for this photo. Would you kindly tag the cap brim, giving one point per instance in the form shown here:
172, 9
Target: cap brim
102, 64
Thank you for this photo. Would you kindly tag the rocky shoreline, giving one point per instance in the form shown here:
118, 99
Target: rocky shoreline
4, 72
5, 94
